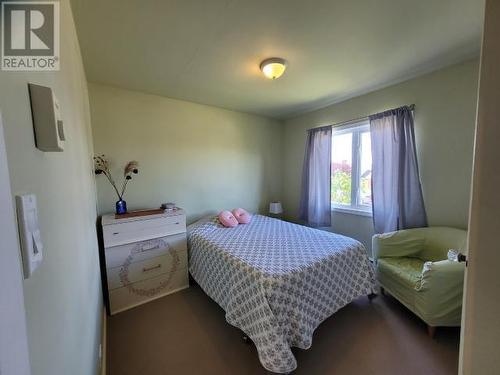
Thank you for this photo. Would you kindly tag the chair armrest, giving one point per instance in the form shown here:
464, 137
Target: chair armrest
443, 275
402, 243
440, 290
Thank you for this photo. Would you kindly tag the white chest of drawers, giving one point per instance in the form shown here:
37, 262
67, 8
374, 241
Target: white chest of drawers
145, 258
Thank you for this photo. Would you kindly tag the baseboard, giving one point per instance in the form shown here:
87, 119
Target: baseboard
104, 340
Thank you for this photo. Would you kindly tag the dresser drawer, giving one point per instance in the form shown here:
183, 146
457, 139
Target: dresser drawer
143, 291
138, 251
122, 233
147, 269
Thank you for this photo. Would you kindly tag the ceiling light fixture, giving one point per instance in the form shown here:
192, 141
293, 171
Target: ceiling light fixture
273, 68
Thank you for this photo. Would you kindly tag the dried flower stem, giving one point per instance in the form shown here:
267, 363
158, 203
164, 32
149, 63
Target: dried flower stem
112, 182
124, 185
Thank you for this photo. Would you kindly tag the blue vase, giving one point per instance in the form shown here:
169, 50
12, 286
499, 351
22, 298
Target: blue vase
121, 207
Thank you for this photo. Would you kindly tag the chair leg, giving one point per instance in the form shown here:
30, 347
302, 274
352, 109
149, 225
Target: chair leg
382, 291
431, 331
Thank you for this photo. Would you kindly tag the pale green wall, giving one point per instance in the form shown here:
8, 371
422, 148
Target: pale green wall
63, 297
203, 158
444, 126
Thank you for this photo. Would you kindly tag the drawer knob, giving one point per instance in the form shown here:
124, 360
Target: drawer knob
146, 269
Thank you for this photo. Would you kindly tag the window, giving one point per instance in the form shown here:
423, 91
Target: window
351, 168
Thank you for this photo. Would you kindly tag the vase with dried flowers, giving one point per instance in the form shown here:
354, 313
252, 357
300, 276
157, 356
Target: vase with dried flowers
101, 166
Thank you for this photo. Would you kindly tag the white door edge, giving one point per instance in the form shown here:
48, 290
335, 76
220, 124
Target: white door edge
14, 355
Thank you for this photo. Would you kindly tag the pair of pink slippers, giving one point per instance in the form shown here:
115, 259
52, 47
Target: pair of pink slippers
231, 219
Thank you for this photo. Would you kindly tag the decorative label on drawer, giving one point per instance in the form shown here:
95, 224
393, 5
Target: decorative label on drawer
140, 248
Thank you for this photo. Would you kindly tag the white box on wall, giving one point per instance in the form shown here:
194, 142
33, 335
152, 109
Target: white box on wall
47, 122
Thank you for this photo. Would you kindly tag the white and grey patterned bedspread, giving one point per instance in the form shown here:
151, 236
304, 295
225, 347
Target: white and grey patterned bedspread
277, 281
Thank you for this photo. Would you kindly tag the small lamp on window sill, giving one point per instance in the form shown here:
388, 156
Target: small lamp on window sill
275, 210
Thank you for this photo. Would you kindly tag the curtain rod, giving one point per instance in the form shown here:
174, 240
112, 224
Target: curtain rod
342, 123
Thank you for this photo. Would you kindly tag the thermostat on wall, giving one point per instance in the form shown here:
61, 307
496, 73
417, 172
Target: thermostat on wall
47, 122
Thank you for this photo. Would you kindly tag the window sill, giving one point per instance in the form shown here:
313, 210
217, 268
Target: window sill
352, 211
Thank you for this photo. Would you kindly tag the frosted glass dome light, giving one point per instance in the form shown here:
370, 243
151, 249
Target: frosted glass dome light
273, 68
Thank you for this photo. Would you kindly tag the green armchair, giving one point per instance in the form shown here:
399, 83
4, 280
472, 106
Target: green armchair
412, 266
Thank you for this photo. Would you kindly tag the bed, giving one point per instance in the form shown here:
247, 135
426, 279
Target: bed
277, 281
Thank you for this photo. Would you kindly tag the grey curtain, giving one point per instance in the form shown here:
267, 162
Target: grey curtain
397, 199
316, 178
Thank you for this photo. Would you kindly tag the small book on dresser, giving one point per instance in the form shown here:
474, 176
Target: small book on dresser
143, 258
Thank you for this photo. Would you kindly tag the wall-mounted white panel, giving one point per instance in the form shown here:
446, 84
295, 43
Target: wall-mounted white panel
47, 121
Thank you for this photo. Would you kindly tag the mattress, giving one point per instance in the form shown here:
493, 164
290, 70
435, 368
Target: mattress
277, 281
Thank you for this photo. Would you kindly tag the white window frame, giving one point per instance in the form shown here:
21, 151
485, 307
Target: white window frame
356, 128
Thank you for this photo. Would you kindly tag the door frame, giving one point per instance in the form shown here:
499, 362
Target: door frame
481, 309
14, 354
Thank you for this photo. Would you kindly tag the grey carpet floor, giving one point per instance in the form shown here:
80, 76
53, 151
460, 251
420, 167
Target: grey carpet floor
186, 333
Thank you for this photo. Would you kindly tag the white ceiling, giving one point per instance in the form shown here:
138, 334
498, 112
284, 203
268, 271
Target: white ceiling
209, 51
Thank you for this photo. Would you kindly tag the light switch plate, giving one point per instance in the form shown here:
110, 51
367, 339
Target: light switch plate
29, 233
